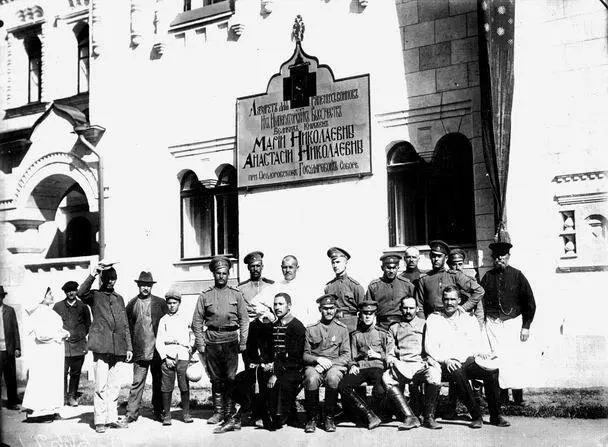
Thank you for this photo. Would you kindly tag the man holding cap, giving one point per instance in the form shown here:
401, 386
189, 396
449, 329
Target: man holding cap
349, 293
110, 342
144, 312
77, 321
223, 311
368, 347
430, 287
10, 349
326, 355
509, 308
256, 282
388, 290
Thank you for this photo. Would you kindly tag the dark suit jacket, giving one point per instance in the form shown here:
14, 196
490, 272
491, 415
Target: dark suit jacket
158, 308
11, 330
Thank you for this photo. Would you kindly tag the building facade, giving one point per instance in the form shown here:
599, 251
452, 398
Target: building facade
165, 79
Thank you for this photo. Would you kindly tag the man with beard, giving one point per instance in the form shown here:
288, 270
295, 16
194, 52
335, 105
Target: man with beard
411, 272
388, 290
453, 340
348, 291
326, 355
109, 341
144, 312
77, 321
509, 309
429, 287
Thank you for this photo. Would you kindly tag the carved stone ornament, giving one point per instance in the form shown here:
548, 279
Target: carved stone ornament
297, 33
237, 27
30, 14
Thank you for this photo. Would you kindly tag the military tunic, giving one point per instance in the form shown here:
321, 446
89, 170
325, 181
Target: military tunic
412, 276
388, 295
429, 290
349, 293
250, 289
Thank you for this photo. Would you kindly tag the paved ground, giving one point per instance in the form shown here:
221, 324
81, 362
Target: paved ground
75, 430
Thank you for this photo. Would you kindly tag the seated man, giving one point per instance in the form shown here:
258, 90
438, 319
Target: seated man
326, 354
453, 340
368, 347
407, 364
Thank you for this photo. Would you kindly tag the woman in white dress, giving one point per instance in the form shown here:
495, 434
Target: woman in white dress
44, 391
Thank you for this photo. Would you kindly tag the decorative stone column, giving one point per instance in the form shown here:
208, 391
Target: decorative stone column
96, 28
45, 62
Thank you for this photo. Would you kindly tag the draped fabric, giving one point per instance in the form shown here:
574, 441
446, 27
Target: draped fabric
496, 27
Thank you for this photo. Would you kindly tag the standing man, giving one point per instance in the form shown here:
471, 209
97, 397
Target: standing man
110, 342
388, 290
144, 312
222, 310
256, 282
411, 272
368, 346
430, 287
10, 349
326, 355
348, 291
77, 321
453, 340
509, 309
406, 365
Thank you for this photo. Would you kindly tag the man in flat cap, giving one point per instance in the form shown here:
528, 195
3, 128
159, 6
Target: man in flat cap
77, 321
408, 365
110, 342
509, 307
368, 346
222, 310
388, 290
326, 356
256, 282
144, 313
430, 287
348, 291
10, 349
411, 258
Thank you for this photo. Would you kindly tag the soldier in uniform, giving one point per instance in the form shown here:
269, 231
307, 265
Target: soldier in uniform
223, 311
411, 258
368, 346
388, 290
348, 291
326, 355
407, 365
430, 287
256, 282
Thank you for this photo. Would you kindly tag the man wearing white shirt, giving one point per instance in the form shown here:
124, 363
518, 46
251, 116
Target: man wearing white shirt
453, 340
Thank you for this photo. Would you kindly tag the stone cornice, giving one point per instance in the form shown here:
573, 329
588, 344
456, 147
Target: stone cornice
203, 147
580, 177
425, 114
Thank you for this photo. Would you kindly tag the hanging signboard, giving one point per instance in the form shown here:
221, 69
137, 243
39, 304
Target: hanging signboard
307, 126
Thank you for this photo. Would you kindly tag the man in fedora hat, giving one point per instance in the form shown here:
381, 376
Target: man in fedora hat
348, 291
77, 321
388, 290
10, 349
144, 313
109, 341
509, 307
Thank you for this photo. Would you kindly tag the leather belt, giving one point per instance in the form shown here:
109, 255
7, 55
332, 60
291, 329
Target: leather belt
223, 329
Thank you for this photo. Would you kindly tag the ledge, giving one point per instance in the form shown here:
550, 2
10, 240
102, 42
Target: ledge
27, 109
582, 269
202, 15
82, 262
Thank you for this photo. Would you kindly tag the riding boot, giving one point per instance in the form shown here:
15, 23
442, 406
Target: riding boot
312, 410
518, 396
364, 410
504, 396
417, 399
466, 394
218, 407
232, 420
331, 398
185, 395
410, 421
450, 411
166, 397
430, 404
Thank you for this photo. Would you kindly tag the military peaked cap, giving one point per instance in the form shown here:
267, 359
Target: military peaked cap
253, 257
439, 246
337, 251
329, 298
219, 262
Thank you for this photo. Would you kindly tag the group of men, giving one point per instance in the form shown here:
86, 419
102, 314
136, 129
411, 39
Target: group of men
409, 328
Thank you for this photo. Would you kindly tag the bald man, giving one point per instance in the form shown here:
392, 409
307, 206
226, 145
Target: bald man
411, 272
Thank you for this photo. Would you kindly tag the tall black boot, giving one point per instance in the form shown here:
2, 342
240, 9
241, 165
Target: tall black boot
312, 410
466, 393
218, 407
398, 399
185, 395
450, 412
492, 396
518, 396
431, 395
331, 399
417, 399
504, 396
357, 402
166, 398
232, 420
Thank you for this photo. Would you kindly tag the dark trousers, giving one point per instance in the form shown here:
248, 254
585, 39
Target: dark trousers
221, 361
168, 377
72, 368
140, 372
282, 397
371, 376
8, 370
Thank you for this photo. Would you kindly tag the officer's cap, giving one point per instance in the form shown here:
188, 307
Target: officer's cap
219, 262
368, 306
326, 299
253, 257
334, 252
390, 258
439, 247
70, 286
457, 254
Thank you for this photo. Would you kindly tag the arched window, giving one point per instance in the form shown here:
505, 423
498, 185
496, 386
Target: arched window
209, 216
33, 48
82, 36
